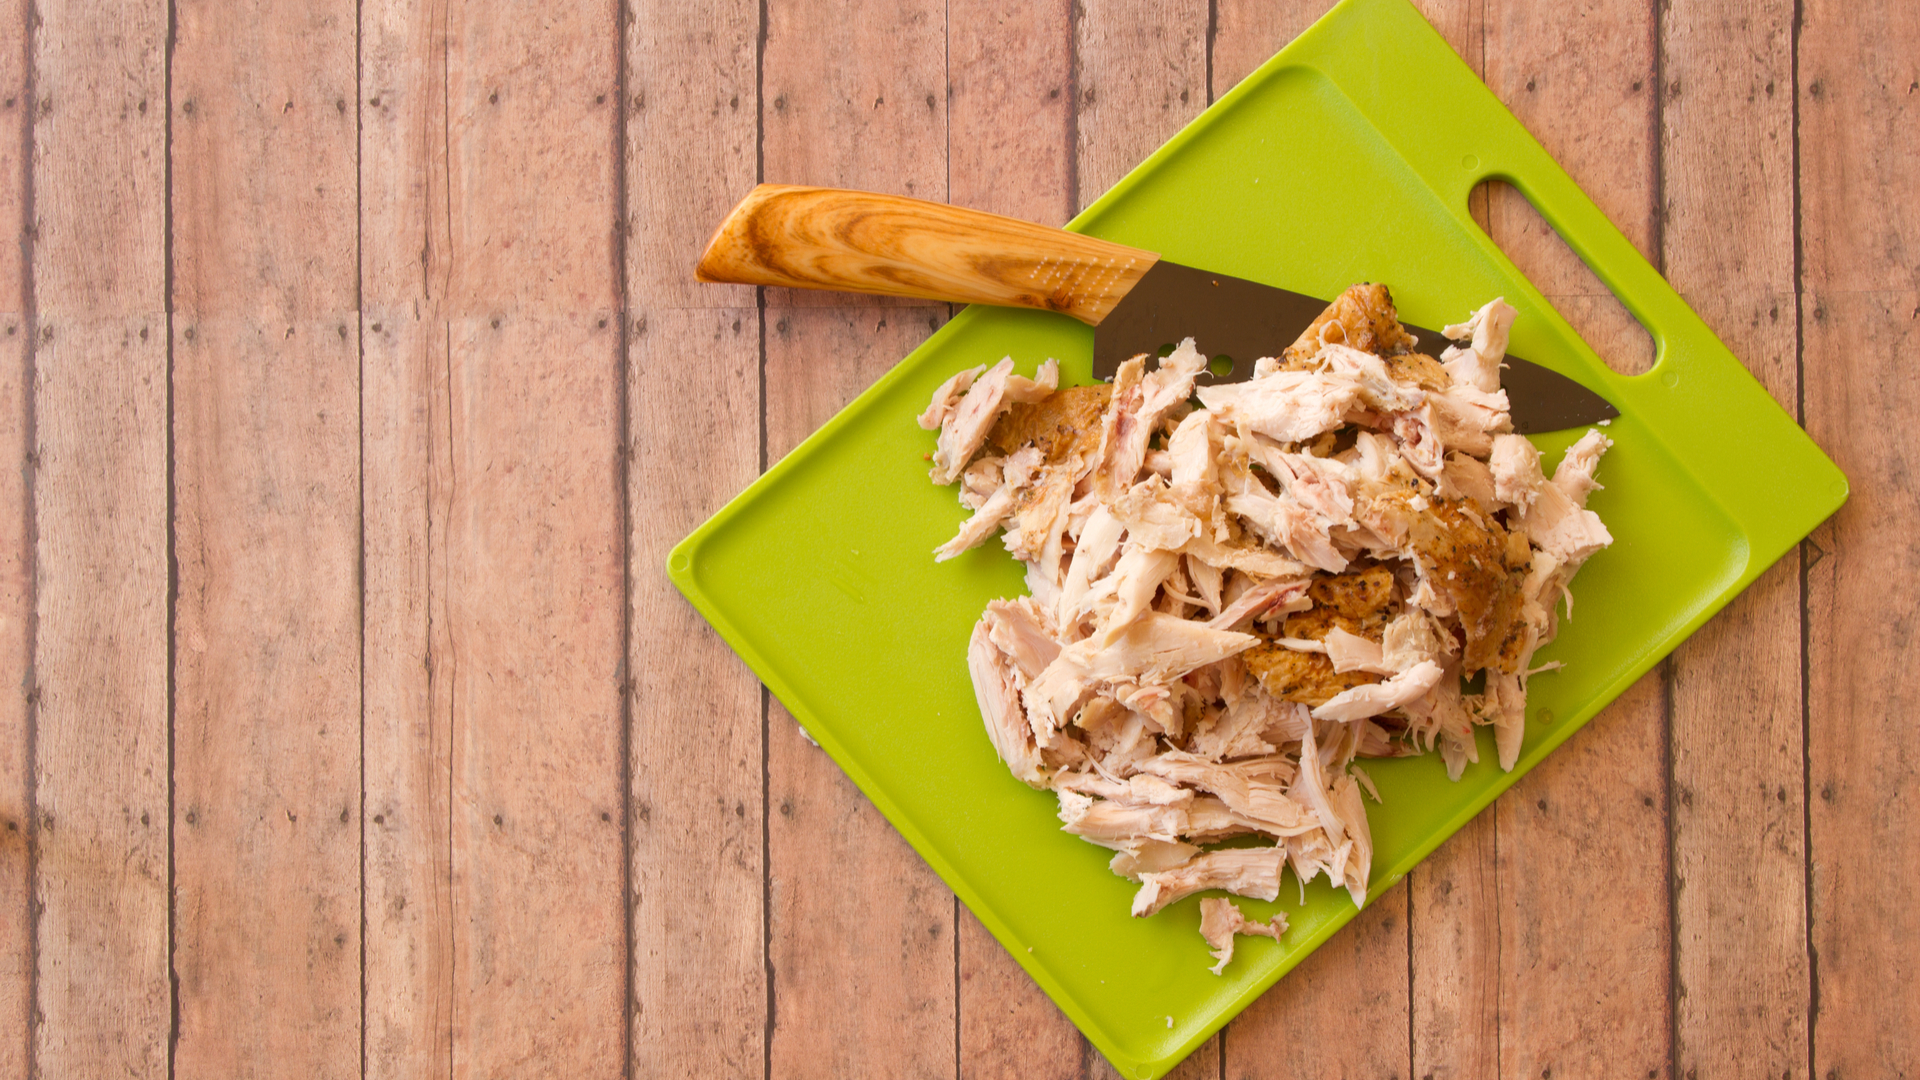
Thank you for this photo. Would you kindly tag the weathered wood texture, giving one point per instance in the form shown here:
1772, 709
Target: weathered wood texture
1576, 979
697, 821
1140, 70
1859, 184
407, 912
452, 781
838, 83
266, 399
1356, 983
1010, 111
99, 472
1741, 995
16, 553
531, 586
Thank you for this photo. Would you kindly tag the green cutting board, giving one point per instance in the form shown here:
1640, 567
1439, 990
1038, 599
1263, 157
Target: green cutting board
1347, 157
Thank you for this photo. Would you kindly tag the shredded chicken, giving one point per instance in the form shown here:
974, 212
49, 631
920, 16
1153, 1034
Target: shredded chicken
1221, 919
1235, 598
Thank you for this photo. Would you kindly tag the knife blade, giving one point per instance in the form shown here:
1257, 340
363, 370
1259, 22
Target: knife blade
1136, 301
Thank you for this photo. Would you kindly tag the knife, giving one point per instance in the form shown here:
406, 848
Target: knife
1136, 301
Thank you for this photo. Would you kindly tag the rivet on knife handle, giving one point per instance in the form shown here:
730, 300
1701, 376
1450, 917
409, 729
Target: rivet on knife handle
857, 241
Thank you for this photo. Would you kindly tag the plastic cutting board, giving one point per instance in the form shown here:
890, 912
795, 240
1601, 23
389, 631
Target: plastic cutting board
1347, 157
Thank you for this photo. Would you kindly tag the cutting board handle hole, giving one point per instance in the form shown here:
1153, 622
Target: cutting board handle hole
1568, 283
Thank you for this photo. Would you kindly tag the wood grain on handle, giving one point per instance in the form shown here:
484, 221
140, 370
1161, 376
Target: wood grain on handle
857, 241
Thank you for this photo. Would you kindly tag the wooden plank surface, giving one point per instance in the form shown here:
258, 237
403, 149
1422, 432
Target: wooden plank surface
1357, 983
266, 835
422, 410
1740, 991
16, 553
1010, 151
1857, 93
1575, 978
698, 815
533, 593
852, 96
100, 491
406, 898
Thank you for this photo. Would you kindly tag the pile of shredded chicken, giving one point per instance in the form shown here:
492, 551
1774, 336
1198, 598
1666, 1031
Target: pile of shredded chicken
1237, 592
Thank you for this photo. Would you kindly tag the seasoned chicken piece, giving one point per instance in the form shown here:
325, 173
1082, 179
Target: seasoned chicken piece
947, 396
1356, 602
1221, 919
1372, 700
1463, 557
1139, 403
1285, 594
1286, 406
1467, 477
1478, 363
1420, 370
1362, 596
1363, 317
1137, 857
1575, 473
965, 425
1015, 475
1065, 425
996, 687
1304, 677
1253, 872
1515, 467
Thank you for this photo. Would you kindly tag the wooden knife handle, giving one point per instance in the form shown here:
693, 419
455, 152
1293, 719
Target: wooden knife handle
858, 241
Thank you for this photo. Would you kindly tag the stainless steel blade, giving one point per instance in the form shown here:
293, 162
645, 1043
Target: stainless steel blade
1239, 320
